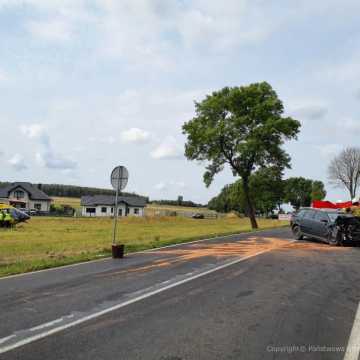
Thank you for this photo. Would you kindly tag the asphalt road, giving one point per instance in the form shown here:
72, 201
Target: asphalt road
251, 296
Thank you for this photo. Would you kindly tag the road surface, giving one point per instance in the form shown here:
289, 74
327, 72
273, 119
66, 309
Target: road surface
250, 296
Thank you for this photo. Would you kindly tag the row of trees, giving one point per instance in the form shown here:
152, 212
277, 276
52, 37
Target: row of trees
185, 203
72, 190
268, 191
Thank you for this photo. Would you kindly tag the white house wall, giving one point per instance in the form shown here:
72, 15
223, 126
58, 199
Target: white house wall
45, 205
99, 213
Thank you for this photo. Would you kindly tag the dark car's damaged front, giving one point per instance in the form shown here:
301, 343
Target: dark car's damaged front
348, 227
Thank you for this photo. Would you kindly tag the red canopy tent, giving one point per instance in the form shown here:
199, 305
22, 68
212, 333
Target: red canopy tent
319, 204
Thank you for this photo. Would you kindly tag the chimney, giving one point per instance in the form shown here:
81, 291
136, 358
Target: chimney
39, 186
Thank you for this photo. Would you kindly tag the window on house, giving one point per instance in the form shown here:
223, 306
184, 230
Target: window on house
127, 211
19, 194
112, 210
120, 212
90, 210
103, 209
37, 207
136, 211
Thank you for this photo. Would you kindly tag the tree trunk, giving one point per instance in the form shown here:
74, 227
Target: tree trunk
249, 204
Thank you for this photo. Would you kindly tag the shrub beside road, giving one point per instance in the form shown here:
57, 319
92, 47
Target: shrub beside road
46, 242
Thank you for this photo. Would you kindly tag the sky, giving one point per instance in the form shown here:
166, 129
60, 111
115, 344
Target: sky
86, 85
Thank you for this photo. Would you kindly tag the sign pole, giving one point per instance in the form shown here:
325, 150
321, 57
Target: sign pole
115, 215
119, 178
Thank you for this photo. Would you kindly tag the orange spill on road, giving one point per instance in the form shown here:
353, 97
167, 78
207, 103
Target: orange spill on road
241, 248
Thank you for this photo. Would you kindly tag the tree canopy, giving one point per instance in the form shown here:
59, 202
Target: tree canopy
268, 191
244, 128
300, 192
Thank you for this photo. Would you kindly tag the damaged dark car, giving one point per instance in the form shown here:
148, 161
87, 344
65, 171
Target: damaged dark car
334, 227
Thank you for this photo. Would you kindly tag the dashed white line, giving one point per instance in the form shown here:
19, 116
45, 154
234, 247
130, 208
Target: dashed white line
48, 324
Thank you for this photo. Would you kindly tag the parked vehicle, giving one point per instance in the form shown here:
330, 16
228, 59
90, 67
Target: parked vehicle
24, 210
198, 216
331, 226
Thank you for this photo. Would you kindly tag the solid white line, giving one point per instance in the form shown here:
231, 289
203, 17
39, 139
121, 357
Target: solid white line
353, 346
138, 252
7, 338
123, 304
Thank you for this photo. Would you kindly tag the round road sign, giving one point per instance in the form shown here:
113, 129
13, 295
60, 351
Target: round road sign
119, 178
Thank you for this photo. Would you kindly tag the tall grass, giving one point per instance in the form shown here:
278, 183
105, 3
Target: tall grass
46, 242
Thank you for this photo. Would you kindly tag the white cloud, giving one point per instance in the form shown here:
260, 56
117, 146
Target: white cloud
350, 125
180, 184
307, 110
357, 94
108, 140
47, 157
213, 26
165, 185
51, 160
161, 186
135, 135
329, 150
3, 76
345, 71
18, 162
103, 140
33, 131
53, 30
168, 149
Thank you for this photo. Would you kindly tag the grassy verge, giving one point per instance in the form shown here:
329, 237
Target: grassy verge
150, 210
49, 242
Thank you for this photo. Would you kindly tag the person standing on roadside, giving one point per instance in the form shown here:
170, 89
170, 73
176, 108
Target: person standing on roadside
2, 217
8, 219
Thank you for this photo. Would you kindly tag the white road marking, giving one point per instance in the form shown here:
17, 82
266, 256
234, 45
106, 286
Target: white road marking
353, 346
140, 252
6, 338
97, 314
48, 324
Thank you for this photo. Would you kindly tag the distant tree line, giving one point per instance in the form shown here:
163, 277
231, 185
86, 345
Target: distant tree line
268, 191
78, 191
72, 190
177, 203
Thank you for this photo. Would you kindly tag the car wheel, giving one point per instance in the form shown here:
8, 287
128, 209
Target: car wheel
297, 232
335, 239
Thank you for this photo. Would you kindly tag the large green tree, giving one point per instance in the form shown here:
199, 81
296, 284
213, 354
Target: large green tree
266, 191
300, 192
318, 191
242, 127
266, 188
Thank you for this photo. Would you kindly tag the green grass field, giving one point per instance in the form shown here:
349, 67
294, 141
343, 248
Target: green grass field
46, 242
150, 210
73, 202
